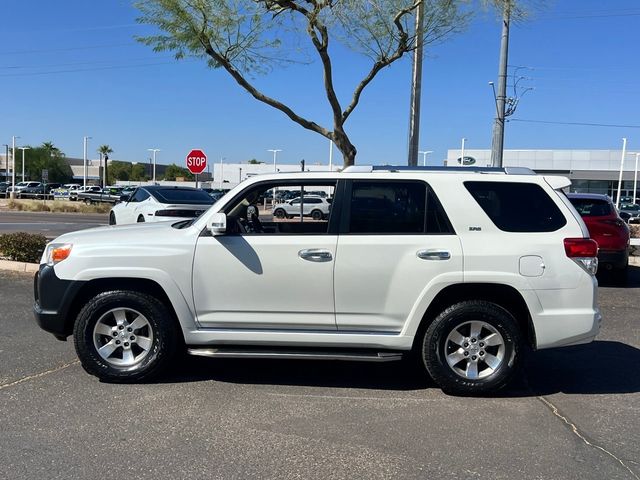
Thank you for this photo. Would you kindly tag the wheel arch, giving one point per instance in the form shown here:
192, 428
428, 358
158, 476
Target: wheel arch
502, 295
98, 285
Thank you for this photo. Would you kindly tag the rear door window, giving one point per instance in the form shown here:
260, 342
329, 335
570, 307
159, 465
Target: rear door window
517, 207
396, 208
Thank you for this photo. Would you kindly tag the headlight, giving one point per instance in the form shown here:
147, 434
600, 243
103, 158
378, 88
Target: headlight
56, 252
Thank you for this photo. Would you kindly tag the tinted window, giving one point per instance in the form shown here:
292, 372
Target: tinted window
517, 207
589, 207
312, 200
139, 195
182, 195
388, 207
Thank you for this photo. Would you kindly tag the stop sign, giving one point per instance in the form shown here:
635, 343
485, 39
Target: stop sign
196, 161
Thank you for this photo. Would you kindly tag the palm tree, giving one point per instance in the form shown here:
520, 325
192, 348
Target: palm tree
51, 149
104, 151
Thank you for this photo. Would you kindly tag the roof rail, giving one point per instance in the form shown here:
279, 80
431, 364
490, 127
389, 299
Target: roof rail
405, 168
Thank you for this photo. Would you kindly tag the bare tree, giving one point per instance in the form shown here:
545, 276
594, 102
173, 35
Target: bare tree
248, 37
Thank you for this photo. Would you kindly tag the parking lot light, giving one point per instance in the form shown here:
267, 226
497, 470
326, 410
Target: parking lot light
29, 148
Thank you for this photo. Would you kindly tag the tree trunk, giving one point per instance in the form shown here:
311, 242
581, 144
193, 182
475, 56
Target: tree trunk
345, 146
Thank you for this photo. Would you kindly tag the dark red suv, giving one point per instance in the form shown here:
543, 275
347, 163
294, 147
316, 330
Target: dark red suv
606, 228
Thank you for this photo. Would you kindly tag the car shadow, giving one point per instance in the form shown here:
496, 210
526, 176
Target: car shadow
609, 278
601, 367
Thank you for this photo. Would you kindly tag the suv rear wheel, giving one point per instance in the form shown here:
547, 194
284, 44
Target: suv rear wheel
472, 347
124, 336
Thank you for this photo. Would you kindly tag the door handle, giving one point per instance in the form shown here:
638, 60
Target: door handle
315, 255
433, 254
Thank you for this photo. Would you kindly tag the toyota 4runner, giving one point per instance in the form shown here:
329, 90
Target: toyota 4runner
461, 268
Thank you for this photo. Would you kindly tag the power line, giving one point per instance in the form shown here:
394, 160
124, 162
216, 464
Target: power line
110, 67
613, 125
69, 49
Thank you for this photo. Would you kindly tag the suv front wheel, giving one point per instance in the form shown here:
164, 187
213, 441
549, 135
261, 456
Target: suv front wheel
125, 336
472, 347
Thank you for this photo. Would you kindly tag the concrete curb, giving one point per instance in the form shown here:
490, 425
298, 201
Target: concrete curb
19, 266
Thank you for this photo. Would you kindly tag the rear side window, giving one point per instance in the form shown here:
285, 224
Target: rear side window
590, 207
381, 207
517, 207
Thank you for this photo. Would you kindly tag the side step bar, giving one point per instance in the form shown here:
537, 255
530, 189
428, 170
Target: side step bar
356, 356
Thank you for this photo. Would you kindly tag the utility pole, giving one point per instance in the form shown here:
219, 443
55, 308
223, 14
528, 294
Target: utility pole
416, 89
23, 149
497, 143
154, 150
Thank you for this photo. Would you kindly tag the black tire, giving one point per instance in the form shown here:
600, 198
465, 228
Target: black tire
140, 219
435, 348
280, 213
87, 201
112, 218
166, 337
317, 215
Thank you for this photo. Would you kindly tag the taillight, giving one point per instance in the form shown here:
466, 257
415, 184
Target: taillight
583, 251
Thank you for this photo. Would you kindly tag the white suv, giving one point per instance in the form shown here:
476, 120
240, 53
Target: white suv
313, 206
463, 268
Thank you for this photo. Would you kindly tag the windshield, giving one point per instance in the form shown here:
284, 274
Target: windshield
182, 196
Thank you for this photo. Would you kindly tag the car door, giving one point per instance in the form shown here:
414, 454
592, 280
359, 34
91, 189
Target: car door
133, 208
395, 243
279, 279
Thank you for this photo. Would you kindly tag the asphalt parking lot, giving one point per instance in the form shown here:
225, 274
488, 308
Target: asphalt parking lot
573, 414
49, 224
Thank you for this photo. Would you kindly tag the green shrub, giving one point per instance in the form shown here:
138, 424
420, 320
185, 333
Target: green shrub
22, 246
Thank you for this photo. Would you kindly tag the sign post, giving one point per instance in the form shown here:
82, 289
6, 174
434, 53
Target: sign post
196, 162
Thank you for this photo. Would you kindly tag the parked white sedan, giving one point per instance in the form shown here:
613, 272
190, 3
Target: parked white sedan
160, 204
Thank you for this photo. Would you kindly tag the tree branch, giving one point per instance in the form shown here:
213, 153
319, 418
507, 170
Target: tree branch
403, 47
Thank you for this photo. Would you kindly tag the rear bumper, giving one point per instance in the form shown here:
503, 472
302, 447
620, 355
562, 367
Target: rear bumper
53, 298
615, 258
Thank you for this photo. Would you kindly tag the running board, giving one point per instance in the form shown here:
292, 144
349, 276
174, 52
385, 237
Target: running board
354, 356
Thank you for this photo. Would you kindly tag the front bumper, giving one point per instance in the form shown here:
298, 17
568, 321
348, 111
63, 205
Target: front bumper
53, 299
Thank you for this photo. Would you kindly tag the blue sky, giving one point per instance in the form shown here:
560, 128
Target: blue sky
72, 68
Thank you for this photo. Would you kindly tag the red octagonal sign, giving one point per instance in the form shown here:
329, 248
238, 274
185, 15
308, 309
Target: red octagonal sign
196, 161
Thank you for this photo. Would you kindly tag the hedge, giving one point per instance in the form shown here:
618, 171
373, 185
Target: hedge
22, 246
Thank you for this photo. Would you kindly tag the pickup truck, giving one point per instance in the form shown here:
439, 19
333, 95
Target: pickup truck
99, 195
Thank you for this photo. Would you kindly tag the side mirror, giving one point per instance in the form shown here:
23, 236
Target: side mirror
124, 198
217, 224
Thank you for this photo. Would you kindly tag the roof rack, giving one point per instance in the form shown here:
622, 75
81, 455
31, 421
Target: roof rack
405, 168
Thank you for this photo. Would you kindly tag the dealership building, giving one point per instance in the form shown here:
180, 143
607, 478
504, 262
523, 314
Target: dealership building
590, 171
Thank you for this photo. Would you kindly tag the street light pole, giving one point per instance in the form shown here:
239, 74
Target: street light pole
624, 152
635, 175
330, 155
275, 156
23, 149
221, 172
13, 164
462, 153
84, 142
154, 150
424, 154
